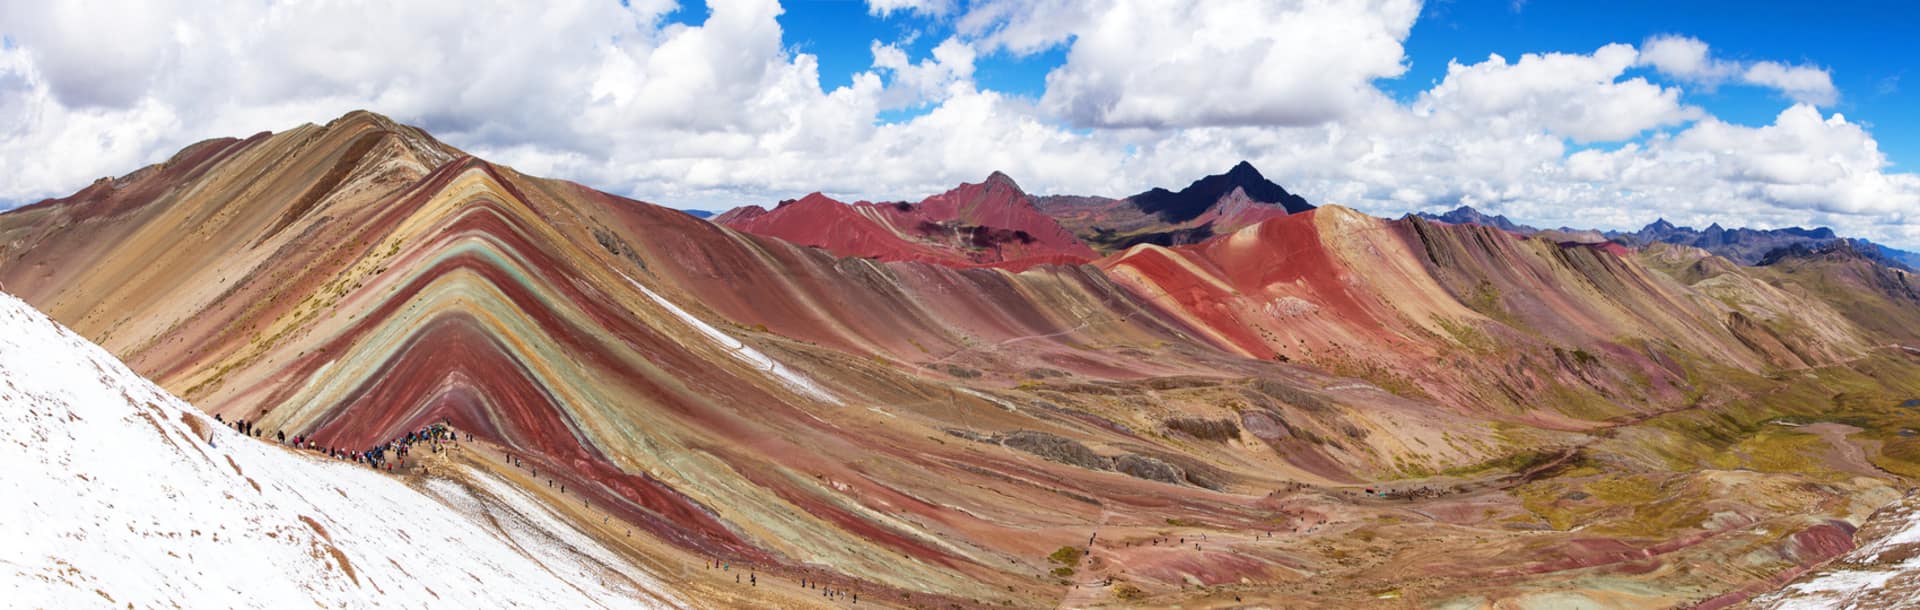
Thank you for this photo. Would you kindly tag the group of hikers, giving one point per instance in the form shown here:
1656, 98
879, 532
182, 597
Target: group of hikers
386, 456
1417, 492
830, 592
393, 454
245, 428
753, 580
1422, 492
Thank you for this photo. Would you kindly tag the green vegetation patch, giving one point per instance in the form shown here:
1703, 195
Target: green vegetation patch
1066, 555
1512, 462
1777, 450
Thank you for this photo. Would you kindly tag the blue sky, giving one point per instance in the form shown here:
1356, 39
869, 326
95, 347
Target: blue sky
1855, 41
1603, 115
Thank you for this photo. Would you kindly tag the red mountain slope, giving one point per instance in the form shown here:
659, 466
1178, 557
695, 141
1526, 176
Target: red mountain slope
990, 223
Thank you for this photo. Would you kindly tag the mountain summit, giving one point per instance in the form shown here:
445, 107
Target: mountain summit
1194, 200
1213, 205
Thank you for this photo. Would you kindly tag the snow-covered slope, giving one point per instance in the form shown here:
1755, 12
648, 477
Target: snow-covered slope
111, 494
1884, 572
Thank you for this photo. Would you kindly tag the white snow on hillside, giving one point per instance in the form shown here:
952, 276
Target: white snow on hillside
1884, 572
110, 497
740, 351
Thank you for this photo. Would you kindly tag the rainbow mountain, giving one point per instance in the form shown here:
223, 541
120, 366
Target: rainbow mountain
1303, 407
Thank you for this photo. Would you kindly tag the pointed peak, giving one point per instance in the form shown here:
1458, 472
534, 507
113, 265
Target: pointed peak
818, 197
813, 198
363, 116
999, 178
1245, 169
1196, 198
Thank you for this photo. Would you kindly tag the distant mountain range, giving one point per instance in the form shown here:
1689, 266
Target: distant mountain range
1741, 245
1758, 246
1468, 215
995, 223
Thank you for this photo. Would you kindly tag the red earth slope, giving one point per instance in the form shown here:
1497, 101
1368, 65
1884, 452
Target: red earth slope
989, 223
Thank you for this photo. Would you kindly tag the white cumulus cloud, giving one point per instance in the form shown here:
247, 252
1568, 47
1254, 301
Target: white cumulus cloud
1689, 59
723, 108
1579, 96
1228, 62
884, 8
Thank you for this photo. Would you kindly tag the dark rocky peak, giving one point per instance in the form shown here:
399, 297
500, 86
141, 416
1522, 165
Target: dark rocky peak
1245, 173
1196, 198
1468, 215
1816, 233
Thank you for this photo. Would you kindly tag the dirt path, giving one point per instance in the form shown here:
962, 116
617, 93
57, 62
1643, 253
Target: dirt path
1847, 456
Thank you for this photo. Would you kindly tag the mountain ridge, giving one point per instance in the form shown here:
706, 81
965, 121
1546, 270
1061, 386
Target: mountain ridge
1746, 246
986, 223
935, 432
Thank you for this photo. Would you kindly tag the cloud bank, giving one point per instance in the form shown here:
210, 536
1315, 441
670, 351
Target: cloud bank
724, 111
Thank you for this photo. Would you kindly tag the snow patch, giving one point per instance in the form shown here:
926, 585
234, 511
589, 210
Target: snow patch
1880, 573
117, 493
743, 352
